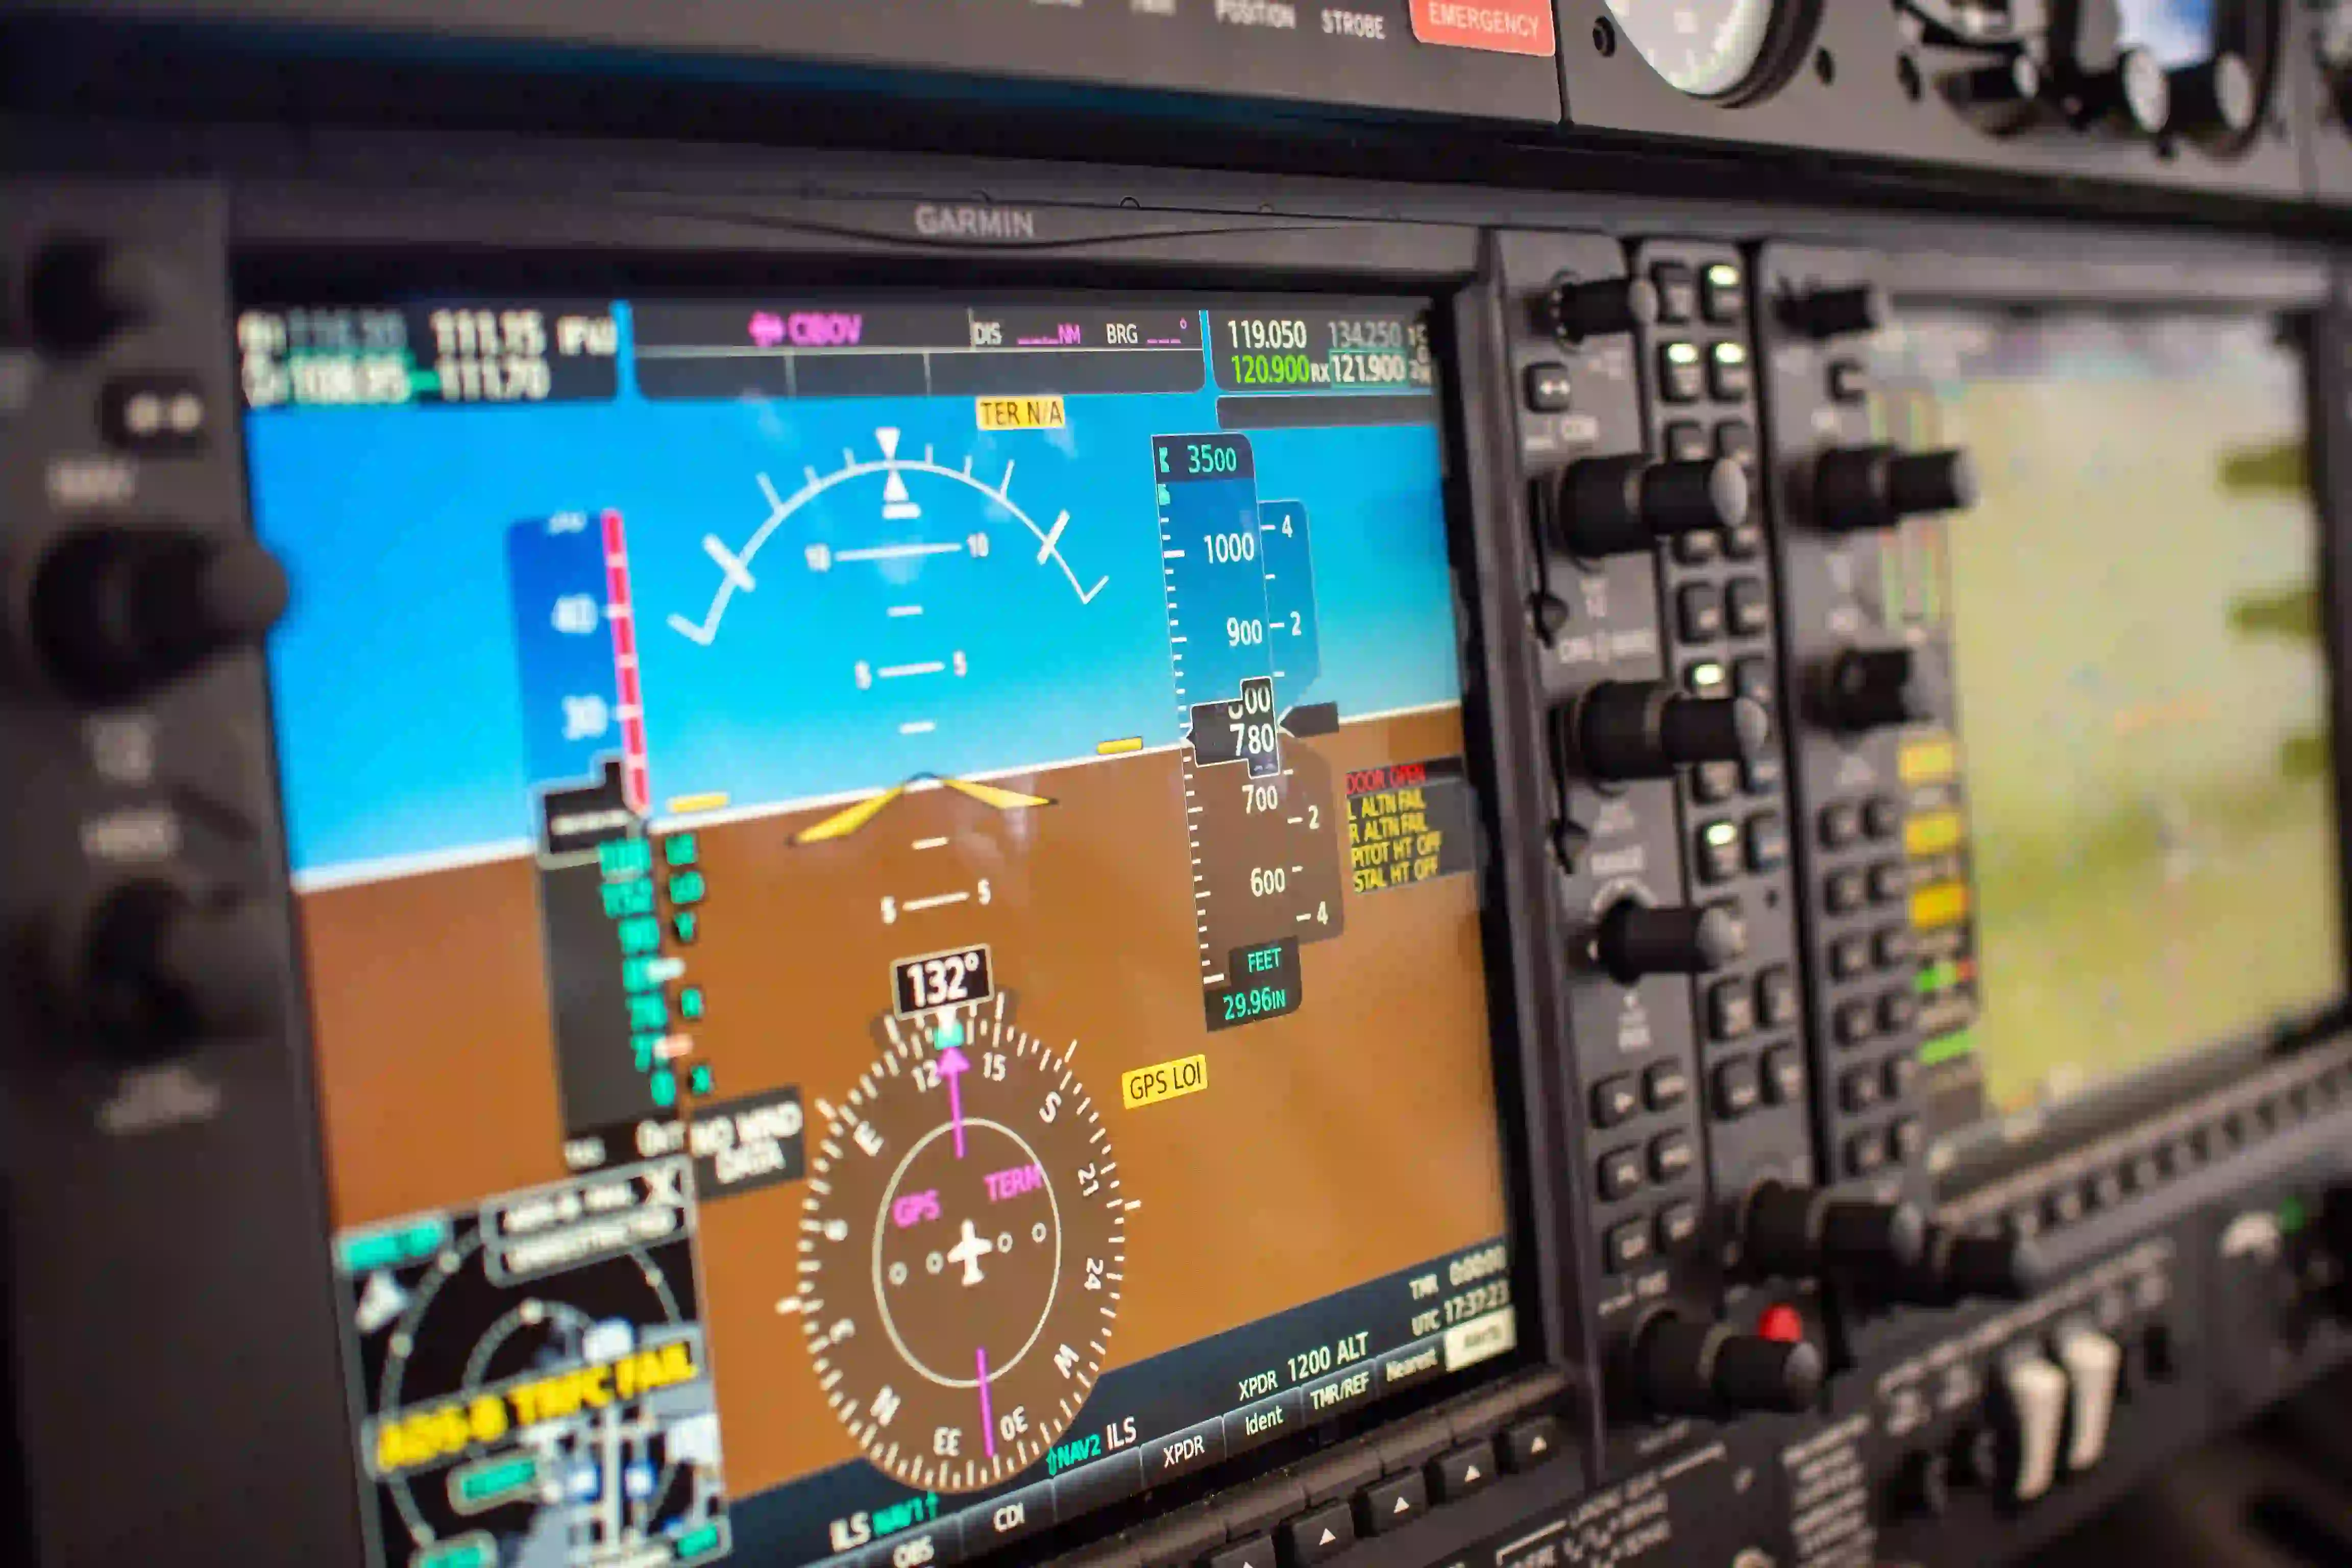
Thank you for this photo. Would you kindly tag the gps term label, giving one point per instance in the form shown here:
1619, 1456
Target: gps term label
1020, 413
1164, 1081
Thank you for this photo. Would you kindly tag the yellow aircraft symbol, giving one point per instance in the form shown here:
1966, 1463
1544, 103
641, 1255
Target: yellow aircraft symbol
850, 819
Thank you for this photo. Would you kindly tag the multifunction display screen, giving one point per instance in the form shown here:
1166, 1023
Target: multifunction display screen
886, 888
2132, 614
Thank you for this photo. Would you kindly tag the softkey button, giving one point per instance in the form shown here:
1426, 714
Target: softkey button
1848, 957
1012, 1517
1776, 997
1619, 1175
1881, 817
1768, 841
1666, 1086
1613, 1100
1736, 439
1677, 1224
1392, 1504
1194, 1448
1257, 1552
1784, 1076
1840, 825
1262, 1423
1730, 1009
1319, 1536
1547, 387
1671, 1157
1843, 892
1719, 293
1626, 1246
1682, 373
1736, 1090
1686, 441
1677, 291
1531, 1443
1728, 376
1699, 610
1748, 608
1467, 1469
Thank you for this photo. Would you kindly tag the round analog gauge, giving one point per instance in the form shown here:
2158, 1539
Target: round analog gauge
961, 1251
1703, 47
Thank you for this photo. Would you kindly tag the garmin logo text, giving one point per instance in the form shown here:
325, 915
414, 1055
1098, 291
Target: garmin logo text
975, 223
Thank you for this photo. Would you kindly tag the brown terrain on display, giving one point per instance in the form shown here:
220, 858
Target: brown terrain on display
1346, 1141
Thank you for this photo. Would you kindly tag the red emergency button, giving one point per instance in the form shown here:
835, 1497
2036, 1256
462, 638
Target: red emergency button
1782, 1324
1502, 27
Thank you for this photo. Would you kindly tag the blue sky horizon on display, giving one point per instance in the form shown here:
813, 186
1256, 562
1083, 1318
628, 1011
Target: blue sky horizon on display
1005, 585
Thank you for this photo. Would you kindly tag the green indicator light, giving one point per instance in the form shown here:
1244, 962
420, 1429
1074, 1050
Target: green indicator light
1723, 275
949, 1035
685, 887
700, 1079
1949, 1048
2292, 1215
695, 1545
1731, 354
1683, 353
1706, 677
680, 849
1720, 834
689, 1002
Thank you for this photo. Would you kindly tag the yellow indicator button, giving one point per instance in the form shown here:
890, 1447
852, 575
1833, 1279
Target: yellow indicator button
1939, 904
1929, 760
1932, 833
1020, 413
1164, 1080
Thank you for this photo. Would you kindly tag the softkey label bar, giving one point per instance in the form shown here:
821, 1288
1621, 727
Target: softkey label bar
788, 348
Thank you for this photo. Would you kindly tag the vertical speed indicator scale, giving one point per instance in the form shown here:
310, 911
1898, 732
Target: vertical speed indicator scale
1259, 806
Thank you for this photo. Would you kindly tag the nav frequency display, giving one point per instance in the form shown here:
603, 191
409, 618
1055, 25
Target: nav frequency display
886, 888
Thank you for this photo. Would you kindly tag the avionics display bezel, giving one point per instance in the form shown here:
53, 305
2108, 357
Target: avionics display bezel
1973, 1153
378, 274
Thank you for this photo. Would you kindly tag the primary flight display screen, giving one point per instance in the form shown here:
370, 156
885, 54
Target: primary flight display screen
2141, 669
886, 886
